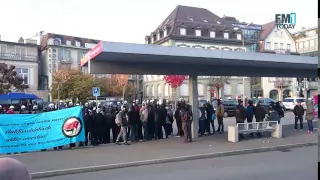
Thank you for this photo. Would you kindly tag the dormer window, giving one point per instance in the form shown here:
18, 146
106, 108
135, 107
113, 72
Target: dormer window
68, 43
212, 34
161, 34
165, 32
198, 32
218, 22
226, 35
239, 37
158, 36
190, 18
183, 31
77, 43
204, 20
154, 38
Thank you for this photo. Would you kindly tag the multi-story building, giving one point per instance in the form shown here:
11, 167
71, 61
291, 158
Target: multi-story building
61, 52
307, 45
24, 56
251, 33
279, 41
193, 27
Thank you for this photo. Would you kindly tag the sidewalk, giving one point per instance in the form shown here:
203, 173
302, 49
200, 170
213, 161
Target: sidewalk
167, 148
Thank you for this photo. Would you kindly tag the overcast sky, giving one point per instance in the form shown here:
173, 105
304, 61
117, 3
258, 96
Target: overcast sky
131, 20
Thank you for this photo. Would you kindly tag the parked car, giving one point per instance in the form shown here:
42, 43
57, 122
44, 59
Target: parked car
265, 102
289, 103
230, 107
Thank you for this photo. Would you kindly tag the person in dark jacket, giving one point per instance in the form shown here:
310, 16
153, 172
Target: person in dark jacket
260, 114
98, 120
298, 112
249, 114
151, 121
279, 110
87, 118
202, 117
24, 110
240, 115
178, 120
161, 121
133, 122
209, 112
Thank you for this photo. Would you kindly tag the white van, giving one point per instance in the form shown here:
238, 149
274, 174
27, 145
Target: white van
289, 102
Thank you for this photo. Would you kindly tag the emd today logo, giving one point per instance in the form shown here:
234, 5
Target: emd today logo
286, 21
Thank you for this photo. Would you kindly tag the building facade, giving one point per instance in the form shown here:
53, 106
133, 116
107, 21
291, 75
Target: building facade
307, 45
251, 33
279, 41
192, 27
24, 56
61, 52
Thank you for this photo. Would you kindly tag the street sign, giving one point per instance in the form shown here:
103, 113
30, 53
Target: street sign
96, 91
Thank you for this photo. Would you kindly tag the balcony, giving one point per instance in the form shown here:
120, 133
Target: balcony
18, 57
282, 51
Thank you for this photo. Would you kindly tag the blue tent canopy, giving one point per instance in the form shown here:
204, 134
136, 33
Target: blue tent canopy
16, 96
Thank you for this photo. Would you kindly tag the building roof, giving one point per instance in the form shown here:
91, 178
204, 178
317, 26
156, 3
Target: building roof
304, 30
192, 18
65, 38
129, 58
267, 29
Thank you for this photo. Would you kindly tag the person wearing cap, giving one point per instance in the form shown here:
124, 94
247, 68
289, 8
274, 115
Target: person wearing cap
24, 110
11, 110
34, 109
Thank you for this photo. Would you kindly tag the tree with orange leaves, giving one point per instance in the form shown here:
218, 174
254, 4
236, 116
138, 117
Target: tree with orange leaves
122, 82
60, 78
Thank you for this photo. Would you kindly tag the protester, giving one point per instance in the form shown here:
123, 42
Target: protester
11, 110
260, 114
144, 120
169, 121
202, 117
186, 117
249, 114
24, 110
298, 112
178, 120
310, 115
123, 123
240, 115
209, 111
133, 122
219, 114
12, 169
273, 115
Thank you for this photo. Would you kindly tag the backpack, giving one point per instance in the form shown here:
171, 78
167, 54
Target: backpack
117, 120
213, 117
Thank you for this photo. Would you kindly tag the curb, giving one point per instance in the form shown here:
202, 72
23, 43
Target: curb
62, 172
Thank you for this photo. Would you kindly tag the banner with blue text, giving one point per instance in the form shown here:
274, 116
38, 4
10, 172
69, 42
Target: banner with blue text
33, 132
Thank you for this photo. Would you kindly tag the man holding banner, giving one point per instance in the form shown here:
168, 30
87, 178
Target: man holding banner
33, 132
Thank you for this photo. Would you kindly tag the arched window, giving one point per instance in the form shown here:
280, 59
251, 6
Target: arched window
239, 89
159, 91
227, 90
200, 90
147, 91
166, 90
152, 90
184, 90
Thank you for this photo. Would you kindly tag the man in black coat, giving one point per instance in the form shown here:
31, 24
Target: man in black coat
178, 120
260, 114
240, 115
97, 128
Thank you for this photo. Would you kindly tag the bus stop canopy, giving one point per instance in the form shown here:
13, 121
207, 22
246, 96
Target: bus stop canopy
128, 58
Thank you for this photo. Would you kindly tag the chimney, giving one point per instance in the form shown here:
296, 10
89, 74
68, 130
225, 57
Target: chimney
21, 40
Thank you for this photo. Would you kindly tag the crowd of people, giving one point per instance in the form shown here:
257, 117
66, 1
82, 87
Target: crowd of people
151, 120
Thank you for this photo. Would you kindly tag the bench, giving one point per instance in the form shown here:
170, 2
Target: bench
254, 127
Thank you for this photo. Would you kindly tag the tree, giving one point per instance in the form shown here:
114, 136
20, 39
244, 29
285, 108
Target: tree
72, 84
9, 79
174, 82
81, 85
59, 87
280, 84
218, 83
121, 82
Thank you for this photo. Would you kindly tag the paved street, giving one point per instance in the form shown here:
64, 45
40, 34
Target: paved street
297, 164
173, 147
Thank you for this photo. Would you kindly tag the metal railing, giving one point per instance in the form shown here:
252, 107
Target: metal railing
19, 57
282, 51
